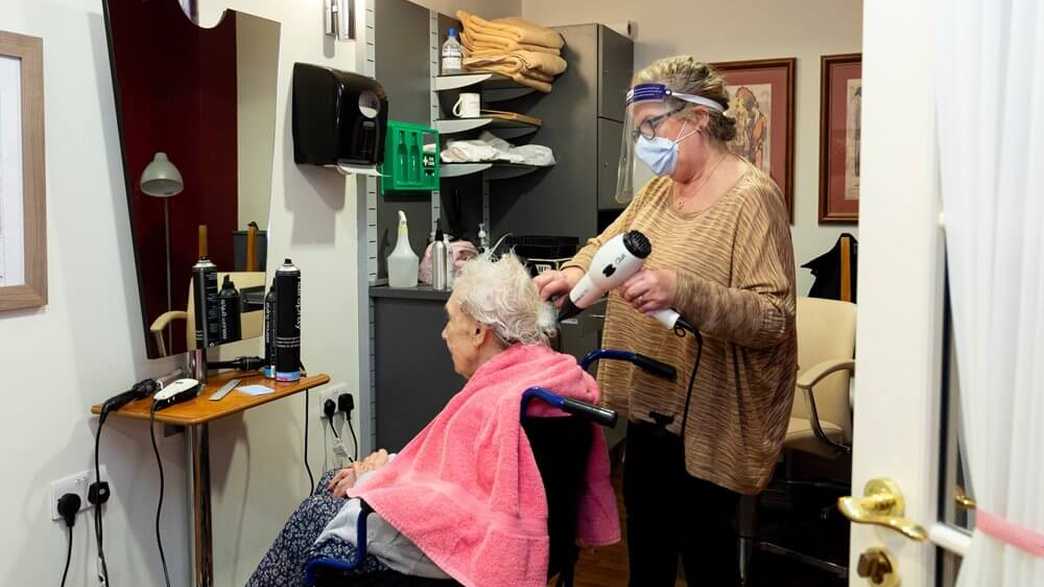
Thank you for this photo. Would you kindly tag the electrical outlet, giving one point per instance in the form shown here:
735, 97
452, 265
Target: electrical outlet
76, 483
330, 393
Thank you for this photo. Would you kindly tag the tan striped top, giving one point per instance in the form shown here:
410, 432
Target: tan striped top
735, 267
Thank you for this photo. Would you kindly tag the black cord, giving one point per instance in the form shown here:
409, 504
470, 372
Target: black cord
311, 479
68, 557
333, 428
355, 441
692, 379
98, 529
159, 504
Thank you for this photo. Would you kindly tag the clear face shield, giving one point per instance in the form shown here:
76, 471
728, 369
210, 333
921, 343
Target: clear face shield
648, 106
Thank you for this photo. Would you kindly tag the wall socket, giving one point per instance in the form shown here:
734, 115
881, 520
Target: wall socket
331, 393
76, 483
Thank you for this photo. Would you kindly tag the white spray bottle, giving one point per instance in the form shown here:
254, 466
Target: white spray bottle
403, 262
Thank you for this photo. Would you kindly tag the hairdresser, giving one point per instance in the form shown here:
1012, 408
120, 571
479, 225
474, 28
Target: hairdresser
722, 257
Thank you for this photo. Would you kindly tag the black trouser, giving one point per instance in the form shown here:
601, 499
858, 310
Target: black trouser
671, 513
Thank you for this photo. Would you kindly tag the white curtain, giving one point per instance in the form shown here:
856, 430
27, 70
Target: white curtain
990, 108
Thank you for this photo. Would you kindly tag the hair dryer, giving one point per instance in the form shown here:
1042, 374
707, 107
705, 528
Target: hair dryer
612, 265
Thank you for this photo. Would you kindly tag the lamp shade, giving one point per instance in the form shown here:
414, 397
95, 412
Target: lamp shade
161, 178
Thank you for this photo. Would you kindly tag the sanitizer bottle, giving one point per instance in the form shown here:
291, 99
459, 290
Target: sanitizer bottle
402, 262
452, 54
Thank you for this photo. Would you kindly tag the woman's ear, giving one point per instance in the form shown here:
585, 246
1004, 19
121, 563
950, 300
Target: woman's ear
480, 333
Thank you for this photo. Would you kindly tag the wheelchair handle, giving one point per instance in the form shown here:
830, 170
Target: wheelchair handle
645, 363
600, 415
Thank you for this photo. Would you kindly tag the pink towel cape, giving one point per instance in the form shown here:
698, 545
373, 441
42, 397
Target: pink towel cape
466, 490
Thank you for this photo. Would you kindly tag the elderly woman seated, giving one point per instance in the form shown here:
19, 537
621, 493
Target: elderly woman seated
464, 499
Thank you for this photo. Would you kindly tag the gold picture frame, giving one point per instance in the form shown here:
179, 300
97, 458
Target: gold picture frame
23, 220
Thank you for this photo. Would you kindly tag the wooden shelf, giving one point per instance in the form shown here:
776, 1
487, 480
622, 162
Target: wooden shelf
201, 410
504, 128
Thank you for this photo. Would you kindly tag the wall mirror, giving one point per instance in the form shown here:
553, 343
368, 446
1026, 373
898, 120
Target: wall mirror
196, 110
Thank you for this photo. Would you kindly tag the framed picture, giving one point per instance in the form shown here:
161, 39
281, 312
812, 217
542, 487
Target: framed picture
23, 225
840, 133
761, 100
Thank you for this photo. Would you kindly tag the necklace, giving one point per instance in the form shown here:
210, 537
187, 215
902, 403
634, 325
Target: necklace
679, 203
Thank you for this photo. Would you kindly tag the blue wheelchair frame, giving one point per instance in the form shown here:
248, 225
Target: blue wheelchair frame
597, 414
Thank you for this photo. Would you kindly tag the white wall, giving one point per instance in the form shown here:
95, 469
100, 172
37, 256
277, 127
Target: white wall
740, 30
88, 343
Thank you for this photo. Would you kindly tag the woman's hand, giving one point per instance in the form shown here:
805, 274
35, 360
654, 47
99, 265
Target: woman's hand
557, 283
346, 478
650, 290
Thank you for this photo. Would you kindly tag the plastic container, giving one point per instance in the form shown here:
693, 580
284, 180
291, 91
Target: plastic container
452, 54
407, 166
403, 262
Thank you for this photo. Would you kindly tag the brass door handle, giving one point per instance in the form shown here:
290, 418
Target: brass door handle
883, 505
963, 500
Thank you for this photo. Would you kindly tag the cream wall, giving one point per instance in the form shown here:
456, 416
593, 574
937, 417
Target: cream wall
484, 8
739, 30
88, 343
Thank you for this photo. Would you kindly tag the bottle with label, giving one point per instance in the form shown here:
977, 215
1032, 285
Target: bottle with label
229, 310
452, 54
439, 258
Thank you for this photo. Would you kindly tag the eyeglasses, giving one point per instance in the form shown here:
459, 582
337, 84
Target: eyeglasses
648, 127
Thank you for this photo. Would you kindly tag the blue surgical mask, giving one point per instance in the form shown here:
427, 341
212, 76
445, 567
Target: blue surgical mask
660, 153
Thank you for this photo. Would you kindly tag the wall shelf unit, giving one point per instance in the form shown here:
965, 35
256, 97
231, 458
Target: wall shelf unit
492, 86
503, 128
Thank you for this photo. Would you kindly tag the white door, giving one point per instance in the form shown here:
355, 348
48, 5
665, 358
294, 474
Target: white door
899, 421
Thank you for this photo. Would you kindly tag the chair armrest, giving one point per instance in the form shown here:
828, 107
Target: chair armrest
166, 318
811, 376
807, 380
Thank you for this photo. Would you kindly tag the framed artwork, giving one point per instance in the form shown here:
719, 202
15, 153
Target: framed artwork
23, 225
840, 135
761, 101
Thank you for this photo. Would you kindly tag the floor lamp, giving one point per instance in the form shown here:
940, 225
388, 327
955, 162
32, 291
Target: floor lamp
161, 179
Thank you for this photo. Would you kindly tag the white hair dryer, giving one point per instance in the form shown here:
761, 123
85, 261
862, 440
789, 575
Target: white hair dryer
618, 259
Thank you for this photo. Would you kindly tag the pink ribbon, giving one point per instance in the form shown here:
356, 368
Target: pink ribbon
1018, 536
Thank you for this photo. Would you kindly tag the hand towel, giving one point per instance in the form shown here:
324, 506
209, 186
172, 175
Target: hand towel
518, 62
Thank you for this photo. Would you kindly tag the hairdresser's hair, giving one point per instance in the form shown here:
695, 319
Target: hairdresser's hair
501, 295
685, 75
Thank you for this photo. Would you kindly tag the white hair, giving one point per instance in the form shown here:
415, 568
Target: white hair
502, 296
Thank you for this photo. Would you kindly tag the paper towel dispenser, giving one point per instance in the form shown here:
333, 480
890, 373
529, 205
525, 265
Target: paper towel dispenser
339, 118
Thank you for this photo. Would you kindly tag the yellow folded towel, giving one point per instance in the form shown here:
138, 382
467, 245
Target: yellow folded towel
483, 42
511, 29
519, 62
540, 83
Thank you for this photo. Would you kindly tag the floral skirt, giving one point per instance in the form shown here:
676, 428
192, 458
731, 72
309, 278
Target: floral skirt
283, 565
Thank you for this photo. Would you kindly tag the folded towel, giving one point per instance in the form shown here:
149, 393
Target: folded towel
519, 62
537, 81
476, 41
513, 29
467, 491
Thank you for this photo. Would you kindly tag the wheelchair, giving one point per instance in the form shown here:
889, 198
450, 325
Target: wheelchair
561, 446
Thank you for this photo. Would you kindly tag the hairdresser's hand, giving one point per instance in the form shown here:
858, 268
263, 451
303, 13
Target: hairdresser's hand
650, 290
557, 283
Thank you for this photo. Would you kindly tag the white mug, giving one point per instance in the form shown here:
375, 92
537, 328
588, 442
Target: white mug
468, 105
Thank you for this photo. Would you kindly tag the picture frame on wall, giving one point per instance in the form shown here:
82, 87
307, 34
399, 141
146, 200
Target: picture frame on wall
761, 100
840, 137
23, 224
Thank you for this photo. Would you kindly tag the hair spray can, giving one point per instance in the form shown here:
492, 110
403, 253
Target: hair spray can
270, 322
205, 299
230, 310
288, 322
